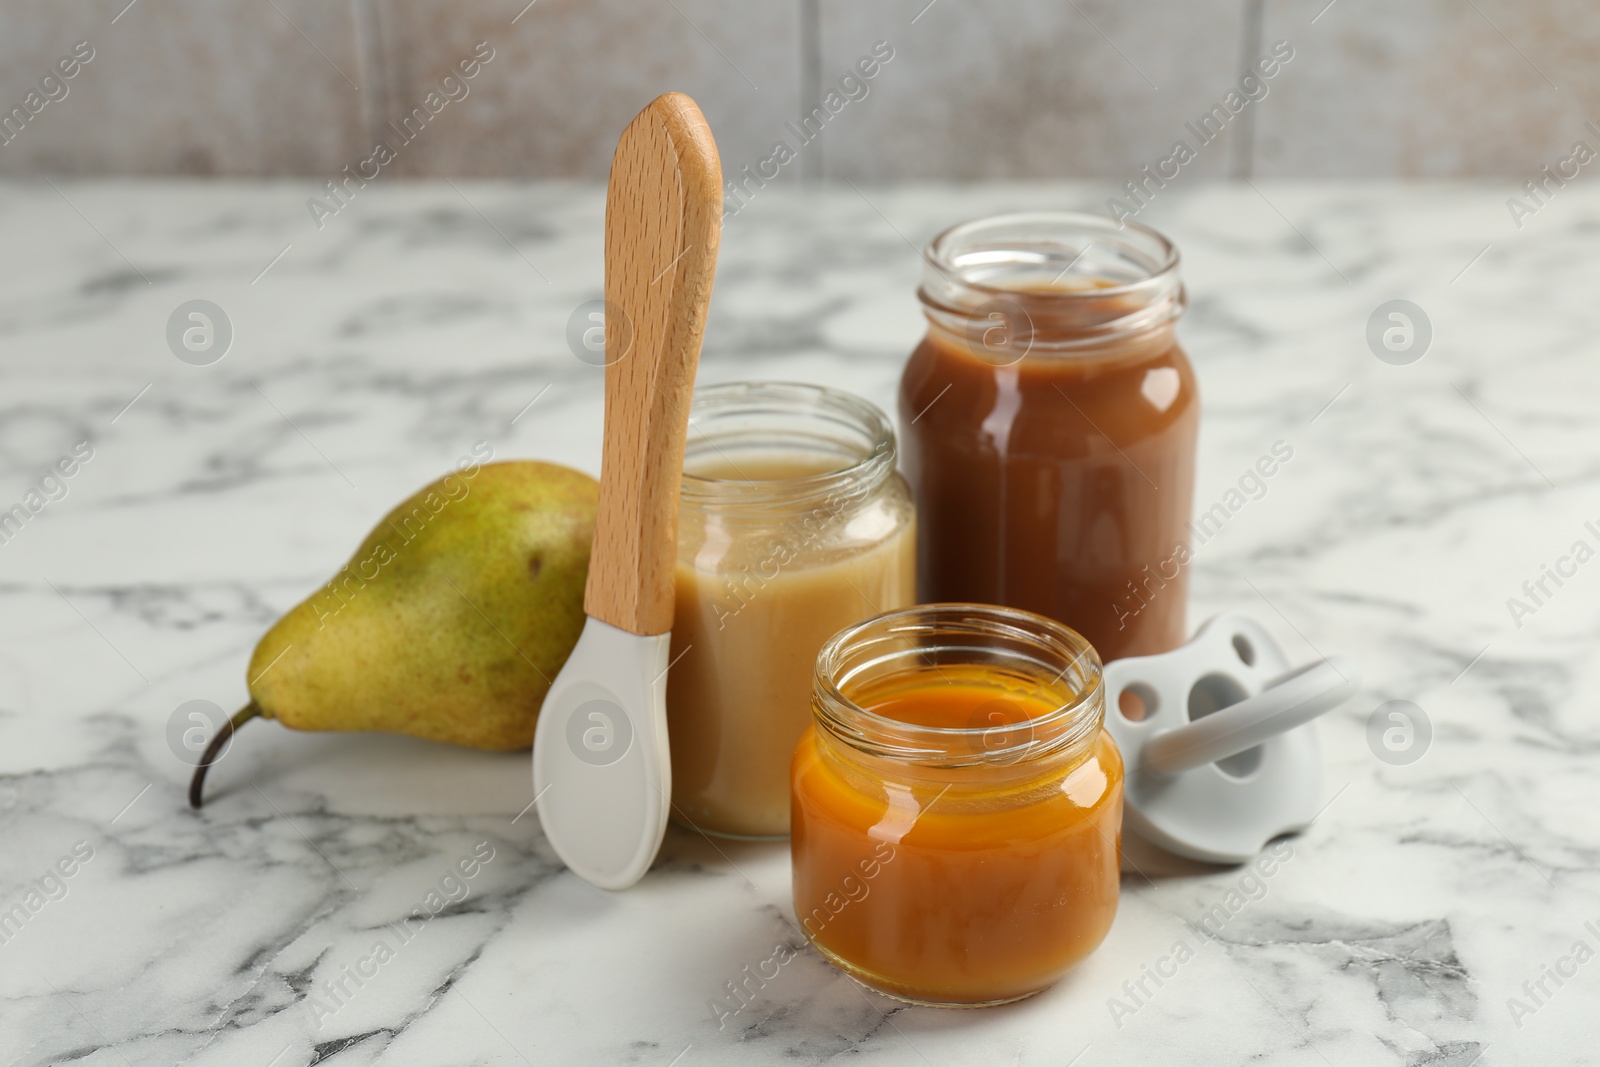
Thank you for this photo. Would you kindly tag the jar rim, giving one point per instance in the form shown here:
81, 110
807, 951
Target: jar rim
867, 436
1070, 725
936, 252
1007, 266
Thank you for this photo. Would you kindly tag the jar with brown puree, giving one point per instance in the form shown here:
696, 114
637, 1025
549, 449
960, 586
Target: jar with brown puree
1048, 425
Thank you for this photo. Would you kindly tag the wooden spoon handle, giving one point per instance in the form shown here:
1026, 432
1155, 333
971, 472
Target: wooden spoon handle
663, 225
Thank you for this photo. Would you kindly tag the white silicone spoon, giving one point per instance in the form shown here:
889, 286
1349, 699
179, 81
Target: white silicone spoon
601, 774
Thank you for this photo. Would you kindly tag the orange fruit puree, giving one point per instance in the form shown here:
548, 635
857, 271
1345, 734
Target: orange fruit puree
966, 881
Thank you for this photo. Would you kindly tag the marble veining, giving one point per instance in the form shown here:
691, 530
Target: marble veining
319, 910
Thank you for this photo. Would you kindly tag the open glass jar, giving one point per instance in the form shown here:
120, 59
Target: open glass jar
957, 805
792, 523
1049, 422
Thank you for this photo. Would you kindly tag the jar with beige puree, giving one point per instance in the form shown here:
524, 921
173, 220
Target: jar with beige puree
793, 524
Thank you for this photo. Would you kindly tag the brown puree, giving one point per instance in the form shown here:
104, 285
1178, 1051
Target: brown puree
1062, 481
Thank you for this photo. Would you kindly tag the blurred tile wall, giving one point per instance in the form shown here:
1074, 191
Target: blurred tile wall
958, 89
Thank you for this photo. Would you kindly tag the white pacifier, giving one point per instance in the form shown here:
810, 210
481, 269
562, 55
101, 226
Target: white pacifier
1220, 755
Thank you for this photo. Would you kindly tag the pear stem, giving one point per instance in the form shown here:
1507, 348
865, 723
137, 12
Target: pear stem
214, 750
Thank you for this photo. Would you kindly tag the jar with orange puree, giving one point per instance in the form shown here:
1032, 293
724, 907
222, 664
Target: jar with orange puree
957, 805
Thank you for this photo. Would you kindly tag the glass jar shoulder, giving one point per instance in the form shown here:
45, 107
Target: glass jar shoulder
815, 534
961, 809
1046, 399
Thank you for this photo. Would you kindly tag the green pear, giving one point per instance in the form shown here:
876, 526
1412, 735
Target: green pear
448, 623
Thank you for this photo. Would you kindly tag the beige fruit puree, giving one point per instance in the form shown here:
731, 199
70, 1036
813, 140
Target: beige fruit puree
784, 539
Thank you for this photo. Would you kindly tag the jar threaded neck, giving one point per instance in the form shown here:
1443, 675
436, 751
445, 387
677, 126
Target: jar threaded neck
1036, 654
852, 441
1050, 281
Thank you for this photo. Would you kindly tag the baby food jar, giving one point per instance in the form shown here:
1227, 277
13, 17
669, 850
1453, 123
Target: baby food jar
1049, 422
792, 523
957, 805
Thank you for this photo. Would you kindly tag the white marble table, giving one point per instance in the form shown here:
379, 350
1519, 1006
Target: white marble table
422, 319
